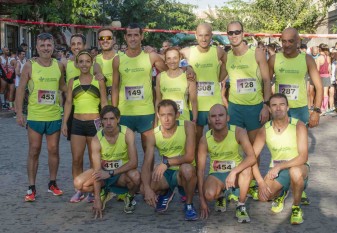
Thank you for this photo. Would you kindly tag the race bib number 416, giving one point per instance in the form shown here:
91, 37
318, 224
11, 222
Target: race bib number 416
46, 97
134, 93
223, 166
111, 164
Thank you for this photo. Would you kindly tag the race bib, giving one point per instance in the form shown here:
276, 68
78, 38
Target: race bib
98, 124
180, 104
291, 91
275, 162
134, 93
223, 166
46, 97
108, 93
111, 164
245, 85
205, 88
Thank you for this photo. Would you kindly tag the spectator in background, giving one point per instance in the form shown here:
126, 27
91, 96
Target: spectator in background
94, 52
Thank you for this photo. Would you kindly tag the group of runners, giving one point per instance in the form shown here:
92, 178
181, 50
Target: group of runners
111, 96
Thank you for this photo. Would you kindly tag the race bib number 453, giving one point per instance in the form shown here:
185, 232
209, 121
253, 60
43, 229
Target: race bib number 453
134, 93
46, 97
223, 166
111, 164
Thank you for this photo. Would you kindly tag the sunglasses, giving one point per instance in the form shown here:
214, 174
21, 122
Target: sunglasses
236, 32
45, 36
102, 38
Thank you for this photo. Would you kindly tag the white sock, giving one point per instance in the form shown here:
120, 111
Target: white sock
2, 98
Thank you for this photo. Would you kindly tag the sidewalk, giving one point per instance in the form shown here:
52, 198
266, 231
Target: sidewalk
56, 214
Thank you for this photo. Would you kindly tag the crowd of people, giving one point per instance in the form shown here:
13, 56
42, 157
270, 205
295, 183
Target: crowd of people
111, 95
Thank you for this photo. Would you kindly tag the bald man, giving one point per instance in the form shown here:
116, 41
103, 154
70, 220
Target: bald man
207, 61
290, 69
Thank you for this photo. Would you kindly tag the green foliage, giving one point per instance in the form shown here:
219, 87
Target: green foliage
272, 15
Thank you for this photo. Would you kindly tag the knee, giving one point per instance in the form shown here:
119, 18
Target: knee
296, 175
187, 171
34, 151
53, 149
78, 183
209, 194
77, 160
134, 176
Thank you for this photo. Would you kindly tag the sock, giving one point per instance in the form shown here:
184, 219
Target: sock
240, 203
52, 182
11, 104
32, 187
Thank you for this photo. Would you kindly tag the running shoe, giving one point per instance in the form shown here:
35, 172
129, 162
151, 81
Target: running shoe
121, 197
296, 215
30, 196
90, 198
128, 207
241, 214
190, 213
304, 199
55, 190
253, 192
105, 197
164, 200
77, 197
278, 204
220, 204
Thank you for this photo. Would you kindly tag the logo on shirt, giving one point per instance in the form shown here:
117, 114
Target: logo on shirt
47, 80
239, 67
198, 65
284, 71
134, 70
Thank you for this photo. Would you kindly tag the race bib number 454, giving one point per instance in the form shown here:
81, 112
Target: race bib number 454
111, 164
134, 93
223, 166
46, 97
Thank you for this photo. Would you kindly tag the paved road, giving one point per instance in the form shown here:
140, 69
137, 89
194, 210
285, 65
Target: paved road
56, 214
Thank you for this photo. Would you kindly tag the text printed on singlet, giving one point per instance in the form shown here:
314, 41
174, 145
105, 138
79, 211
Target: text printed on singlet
134, 92
245, 85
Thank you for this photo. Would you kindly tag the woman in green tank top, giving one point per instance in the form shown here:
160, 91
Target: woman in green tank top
86, 94
173, 84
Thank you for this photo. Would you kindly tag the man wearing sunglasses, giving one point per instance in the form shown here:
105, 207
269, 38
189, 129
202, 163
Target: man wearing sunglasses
44, 77
206, 61
250, 88
132, 83
106, 41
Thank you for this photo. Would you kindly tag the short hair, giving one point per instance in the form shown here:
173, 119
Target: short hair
303, 46
81, 53
171, 49
94, 48
45, 36
209, 113
278, 95
168, 102
110, 108
235, 22
105, 29
23, 44
133, 26
80, 35
20, 50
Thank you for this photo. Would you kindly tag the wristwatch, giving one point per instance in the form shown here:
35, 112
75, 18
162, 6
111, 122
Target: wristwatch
111, 173
316, 109
166, 162
266, 102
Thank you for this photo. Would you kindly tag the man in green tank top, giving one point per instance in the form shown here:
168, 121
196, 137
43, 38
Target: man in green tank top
290, 69
114, 164
207, 62
106, 40
132, 88
287, 141
44, 77
175, 141
228, 169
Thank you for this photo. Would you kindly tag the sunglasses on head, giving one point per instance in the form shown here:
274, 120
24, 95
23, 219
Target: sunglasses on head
102, 38
44, 36
236, 32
